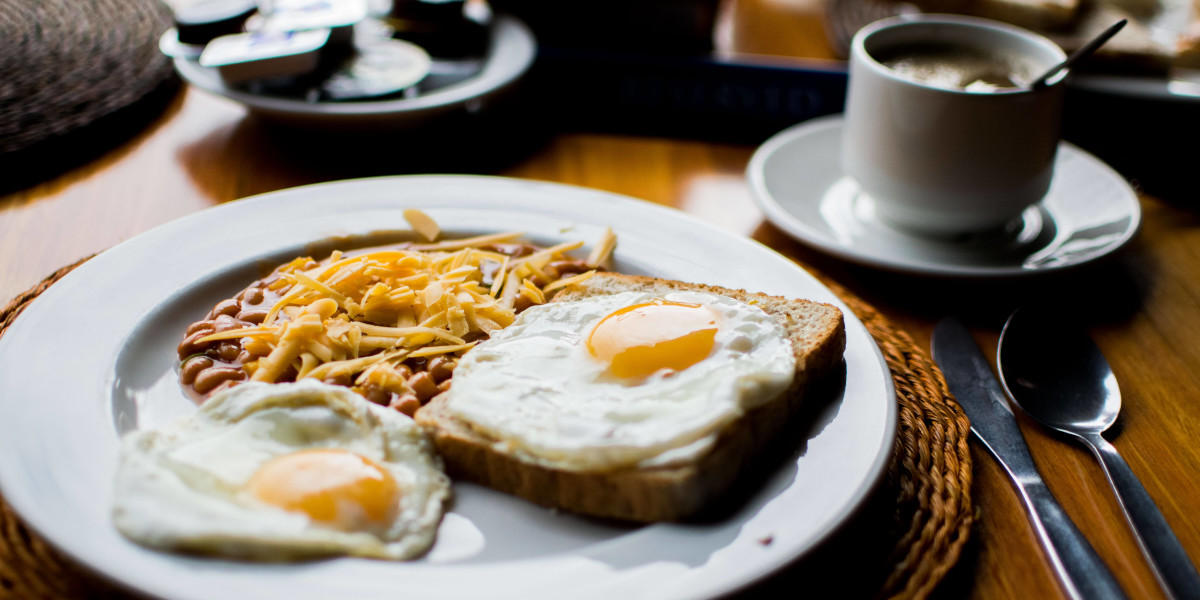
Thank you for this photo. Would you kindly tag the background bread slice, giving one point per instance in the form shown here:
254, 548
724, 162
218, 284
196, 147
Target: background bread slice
817, 333
1132, 50
1187, 47
1034, 14
1072, 23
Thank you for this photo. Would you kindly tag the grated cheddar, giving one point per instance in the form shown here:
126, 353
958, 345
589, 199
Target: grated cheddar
377, 320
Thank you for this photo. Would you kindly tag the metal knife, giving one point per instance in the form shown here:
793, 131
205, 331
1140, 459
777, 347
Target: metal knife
1080, 571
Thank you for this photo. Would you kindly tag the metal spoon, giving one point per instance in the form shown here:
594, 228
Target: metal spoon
1082, 52
1059, 377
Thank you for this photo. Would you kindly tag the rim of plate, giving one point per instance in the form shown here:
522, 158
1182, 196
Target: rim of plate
510, 54
570, 202
801, 231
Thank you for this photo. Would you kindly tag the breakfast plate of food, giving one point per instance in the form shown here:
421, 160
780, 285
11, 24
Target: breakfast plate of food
440, 386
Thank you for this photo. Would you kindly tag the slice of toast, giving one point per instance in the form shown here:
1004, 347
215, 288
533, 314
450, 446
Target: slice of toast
1034, 14
1072, 23
817, 334
1132, 50
1187, 47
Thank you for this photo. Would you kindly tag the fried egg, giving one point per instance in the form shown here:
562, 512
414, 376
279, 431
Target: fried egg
620, 380
283, 471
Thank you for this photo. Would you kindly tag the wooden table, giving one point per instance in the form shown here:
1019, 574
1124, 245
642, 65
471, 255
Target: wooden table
1143, 307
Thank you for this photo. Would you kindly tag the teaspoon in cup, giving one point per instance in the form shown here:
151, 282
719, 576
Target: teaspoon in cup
1083, 52
1059, 377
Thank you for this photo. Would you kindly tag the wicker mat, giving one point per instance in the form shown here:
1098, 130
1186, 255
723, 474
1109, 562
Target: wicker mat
930, 474
70, 67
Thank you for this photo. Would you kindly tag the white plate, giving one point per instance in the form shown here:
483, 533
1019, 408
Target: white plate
797, 180
509, 55
95, 354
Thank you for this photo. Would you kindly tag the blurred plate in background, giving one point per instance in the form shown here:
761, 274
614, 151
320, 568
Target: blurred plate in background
510, 53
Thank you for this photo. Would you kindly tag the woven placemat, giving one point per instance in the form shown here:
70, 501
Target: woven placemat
930, 473
69, 64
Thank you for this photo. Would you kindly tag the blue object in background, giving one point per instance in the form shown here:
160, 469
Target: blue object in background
680, 96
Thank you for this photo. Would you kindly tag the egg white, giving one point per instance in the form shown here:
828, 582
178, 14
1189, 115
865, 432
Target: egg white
180, 487
535, 388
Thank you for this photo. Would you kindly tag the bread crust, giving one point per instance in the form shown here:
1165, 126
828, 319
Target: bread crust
664, 493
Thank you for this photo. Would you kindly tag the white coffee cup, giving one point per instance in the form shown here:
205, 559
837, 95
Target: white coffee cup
949, 161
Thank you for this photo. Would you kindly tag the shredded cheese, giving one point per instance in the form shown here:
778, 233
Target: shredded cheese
603, 250
568, 281
357, 318
233, 334
421, 223
342, 316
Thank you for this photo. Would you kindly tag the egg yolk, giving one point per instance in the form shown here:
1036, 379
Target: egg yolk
334, 487
638, 340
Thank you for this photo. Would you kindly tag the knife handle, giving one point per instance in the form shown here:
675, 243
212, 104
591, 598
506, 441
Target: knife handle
1078, 566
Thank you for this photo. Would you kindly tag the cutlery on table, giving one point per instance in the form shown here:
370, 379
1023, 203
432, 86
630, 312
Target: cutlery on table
1058, 376
1079, 569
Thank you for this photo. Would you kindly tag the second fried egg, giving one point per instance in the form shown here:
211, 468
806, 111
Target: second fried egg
620, 380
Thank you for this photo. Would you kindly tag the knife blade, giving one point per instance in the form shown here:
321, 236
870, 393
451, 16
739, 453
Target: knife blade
969, 376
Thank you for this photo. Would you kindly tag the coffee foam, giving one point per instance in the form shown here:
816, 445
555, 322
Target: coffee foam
957, 67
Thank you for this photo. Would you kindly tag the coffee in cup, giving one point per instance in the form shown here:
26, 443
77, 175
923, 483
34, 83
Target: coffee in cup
957, 67
942, 131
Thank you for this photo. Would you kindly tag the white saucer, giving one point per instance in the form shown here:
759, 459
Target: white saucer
797, 180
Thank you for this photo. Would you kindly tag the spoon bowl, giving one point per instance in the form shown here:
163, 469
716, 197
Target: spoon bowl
1059, 377
1057, 374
